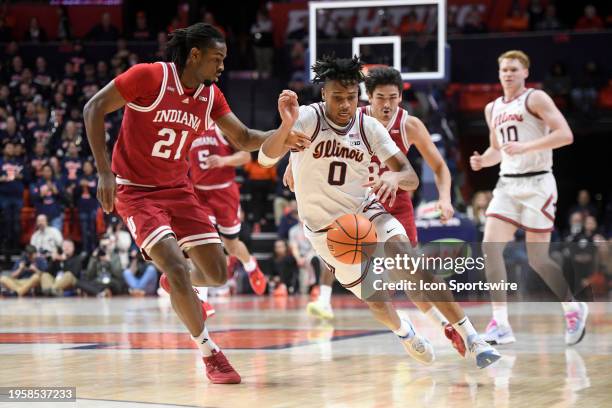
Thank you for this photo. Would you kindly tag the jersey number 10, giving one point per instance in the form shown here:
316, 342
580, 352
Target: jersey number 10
510, 134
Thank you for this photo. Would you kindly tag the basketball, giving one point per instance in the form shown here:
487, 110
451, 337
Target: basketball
351, 239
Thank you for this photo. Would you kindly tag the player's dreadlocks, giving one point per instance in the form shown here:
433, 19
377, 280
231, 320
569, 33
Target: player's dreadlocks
383, 76
345, 70
182, 40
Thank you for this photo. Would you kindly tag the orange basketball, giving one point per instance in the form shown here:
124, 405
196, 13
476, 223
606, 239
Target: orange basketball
351, 239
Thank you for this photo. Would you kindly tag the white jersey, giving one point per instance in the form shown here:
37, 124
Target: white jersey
330, 174
514, 122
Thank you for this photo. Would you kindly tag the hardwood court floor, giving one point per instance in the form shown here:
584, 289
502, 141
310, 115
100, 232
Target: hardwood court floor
134, 352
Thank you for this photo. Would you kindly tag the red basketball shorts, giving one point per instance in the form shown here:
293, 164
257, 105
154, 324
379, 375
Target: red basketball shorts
223, 205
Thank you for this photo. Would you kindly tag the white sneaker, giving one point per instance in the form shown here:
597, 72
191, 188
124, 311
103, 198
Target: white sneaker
417, 346
320, 310
498, 334
484, 354
576, 324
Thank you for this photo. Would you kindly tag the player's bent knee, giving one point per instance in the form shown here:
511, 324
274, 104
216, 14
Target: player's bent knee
377, 306
178, 277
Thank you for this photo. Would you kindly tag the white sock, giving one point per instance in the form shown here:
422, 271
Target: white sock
436, 316
205, 343
405, 330
570, 306
250, 265
465, 329
325, 294
202, 293
500, 313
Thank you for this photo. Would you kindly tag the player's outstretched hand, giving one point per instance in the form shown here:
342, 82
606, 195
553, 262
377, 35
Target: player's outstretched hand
476, 161
446, 210
385, 187
288, 107
297, 140
107, 189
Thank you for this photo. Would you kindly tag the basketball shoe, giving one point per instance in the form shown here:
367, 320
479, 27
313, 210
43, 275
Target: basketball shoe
498, 333
320, 310
576, 324
417, 346
219, 370
258, 281
207, 308
482, 351
455, 338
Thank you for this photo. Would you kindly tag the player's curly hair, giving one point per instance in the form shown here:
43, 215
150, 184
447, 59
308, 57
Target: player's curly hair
182, 40
383, 76
345, 70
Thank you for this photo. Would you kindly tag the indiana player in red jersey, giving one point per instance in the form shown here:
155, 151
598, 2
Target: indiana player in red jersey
384, 88
213, 161
166, 105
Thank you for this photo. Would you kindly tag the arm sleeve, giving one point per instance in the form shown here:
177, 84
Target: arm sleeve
141, 83
382, 145
220, 105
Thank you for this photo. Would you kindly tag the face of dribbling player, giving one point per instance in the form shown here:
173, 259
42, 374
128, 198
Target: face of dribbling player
208, 63
340, 101
384, 101
512, 74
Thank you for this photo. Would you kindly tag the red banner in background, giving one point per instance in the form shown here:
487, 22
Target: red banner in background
288, 17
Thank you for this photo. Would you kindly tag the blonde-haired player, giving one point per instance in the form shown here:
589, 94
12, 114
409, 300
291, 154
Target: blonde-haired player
524, 128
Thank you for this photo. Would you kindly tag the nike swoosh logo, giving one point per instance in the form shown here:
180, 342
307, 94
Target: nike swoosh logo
388, 231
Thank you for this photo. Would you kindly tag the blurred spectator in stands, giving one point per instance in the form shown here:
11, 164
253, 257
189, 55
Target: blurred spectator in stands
261, 184
584, 204
576, 225
451, 21
120, 241
141, 276
305, 257
47, 195
104, 275
69, 135
141, 30
409, 25
104, 31
37, 160
72, 165
122, 52
300, 32
26, 272
64, 270
282, 193
5, 31
558, 83
35, 33
473, 23
89, 84
64, 32
263, 43
87, 206
550, 20
288, 220
42, 77
15, 72
11, 196
46, 239
284, 272
517, 20
162, 40
587, 87
476, 211
11, 132
535, 11
41, 131
102, 71
590, 20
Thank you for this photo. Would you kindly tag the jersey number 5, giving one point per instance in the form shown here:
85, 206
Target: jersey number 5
163, 148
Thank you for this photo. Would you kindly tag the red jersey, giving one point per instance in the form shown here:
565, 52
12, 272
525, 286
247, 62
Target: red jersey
160, 121
209, 143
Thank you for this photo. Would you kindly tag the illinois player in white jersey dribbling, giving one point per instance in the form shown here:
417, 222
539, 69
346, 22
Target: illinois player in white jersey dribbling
525, 126
331, 179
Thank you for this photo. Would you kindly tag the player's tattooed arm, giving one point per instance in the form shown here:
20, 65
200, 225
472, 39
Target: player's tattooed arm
107, 100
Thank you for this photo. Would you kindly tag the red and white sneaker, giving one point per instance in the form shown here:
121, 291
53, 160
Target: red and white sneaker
219, 370
207, 309
454, 336
258, 281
